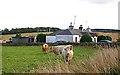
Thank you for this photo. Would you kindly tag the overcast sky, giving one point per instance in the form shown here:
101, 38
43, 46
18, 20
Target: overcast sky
58, 13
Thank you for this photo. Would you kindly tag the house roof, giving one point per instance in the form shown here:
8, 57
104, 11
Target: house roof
55, 33
69, 32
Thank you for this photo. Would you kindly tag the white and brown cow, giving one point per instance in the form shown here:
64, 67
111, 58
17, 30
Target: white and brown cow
57, 49
65, 50
67, 53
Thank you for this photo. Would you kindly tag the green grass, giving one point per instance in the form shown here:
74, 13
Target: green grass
20, 59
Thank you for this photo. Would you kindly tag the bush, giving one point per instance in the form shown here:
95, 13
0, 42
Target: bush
41, 38
101, 38
18, 35
86, 38
104, 38
118, 40
108, 38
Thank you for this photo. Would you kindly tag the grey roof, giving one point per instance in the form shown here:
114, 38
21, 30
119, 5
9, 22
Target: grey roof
66, 32
55, 33
69, 32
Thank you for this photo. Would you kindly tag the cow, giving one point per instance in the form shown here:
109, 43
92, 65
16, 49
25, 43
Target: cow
57, 49
65, 50
45, 48
67, 54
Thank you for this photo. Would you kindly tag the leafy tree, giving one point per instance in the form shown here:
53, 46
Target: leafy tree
41, 38
118, 40
86, 38
104, 38
108, 38
101, 38
18, 35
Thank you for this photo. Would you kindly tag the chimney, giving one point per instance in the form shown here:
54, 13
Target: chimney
71, 27
81, 28
88, 29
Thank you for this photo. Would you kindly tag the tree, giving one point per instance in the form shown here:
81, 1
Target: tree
86, 38
108, 38
104, 38
118, 40
101, 37
18, 35
41, 38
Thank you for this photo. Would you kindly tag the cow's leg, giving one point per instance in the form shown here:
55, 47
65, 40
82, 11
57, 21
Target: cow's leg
65, 62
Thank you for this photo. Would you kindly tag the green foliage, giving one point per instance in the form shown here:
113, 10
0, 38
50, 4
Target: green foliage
108, 38
29, 30
10, 38
86, 38
104, 38
41, 38
101, 38
118, 40
18, 35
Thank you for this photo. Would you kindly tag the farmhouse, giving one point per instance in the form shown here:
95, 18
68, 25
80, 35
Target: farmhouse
70, 35
29, 39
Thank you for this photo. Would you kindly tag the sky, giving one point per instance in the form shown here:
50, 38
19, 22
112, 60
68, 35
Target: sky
59, 13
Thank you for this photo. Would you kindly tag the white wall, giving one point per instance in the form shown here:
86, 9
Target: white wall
50, 39
78, 38
67, 38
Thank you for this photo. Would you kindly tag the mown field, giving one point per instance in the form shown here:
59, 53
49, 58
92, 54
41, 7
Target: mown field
30, 59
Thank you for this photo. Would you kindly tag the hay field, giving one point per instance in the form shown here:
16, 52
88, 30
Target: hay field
6, 37
113, 35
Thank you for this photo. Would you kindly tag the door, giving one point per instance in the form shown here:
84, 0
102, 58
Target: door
75, 39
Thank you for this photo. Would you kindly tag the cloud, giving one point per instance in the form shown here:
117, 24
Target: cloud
98, 1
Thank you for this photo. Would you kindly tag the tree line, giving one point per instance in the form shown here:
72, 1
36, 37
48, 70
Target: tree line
29, 30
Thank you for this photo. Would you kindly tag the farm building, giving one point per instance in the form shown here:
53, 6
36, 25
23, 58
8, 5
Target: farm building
70, 35
23, 39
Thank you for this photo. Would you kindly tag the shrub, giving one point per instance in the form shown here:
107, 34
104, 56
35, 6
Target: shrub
104, 38
86, 38
18, 35
118, 40
101, 38
41, 38
108, 38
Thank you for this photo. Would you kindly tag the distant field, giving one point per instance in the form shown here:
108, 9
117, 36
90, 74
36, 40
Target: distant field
113, 35
20, 59
6, 37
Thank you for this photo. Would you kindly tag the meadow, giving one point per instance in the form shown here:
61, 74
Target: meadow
30, 59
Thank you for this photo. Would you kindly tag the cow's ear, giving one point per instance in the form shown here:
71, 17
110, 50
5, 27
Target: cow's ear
65, 49
70, 47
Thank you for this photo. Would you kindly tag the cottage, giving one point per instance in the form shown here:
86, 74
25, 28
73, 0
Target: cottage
69, 35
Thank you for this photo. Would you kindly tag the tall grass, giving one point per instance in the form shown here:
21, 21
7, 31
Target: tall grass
104, 61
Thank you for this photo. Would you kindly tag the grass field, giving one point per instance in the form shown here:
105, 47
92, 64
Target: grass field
22, 59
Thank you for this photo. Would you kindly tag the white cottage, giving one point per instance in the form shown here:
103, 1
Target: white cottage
68, 35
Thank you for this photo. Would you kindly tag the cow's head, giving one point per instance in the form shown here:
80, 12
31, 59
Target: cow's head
68, 50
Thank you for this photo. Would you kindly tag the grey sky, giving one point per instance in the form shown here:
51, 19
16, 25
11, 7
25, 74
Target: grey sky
58, 13
98, 1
